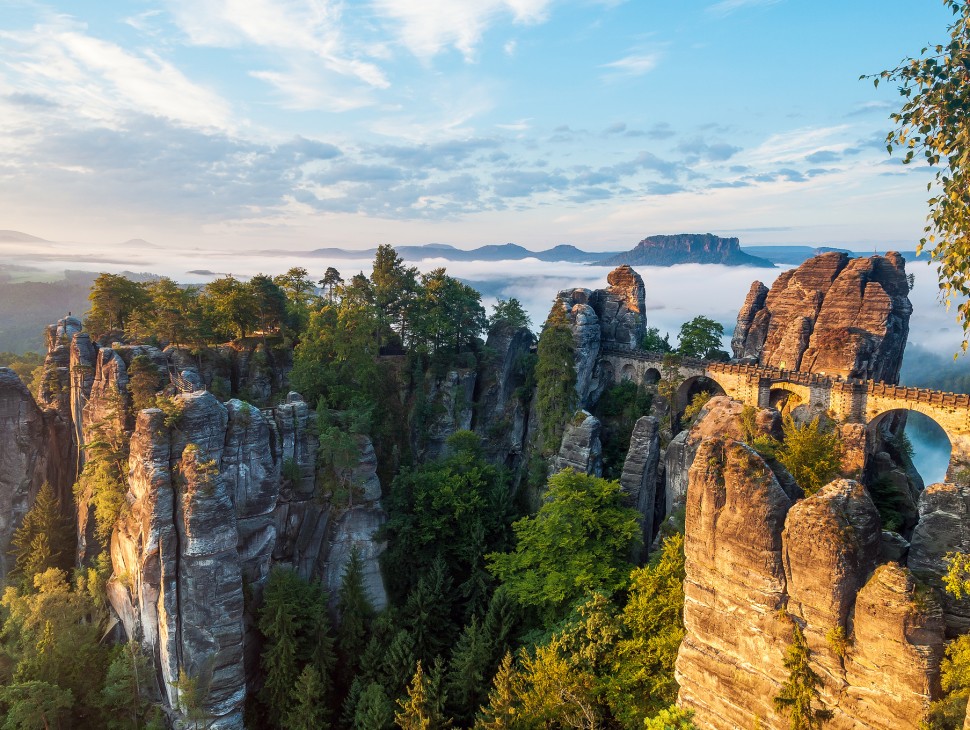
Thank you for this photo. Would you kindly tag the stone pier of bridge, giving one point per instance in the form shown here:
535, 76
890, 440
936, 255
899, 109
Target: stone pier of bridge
843, 400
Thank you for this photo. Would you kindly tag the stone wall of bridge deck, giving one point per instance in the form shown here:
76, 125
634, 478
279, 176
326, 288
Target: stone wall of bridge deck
845, 400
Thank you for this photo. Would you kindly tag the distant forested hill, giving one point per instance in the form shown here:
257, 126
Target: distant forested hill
26, 307
31, 299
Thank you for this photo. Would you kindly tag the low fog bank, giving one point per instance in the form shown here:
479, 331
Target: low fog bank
675, 294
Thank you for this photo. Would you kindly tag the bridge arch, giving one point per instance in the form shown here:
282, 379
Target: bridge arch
651, 376
628, 372
926, 440
792, 398
693, 386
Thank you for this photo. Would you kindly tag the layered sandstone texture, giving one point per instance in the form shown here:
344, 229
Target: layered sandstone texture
581, 449
24, 458
721, 416
758, 562
833, 314
943, 527
502, 396
219, 493
639, 478
611, 317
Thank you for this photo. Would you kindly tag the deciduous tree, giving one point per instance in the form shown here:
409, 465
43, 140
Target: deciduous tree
934, 124
576, 544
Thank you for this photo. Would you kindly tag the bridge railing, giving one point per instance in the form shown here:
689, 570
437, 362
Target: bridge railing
872, 387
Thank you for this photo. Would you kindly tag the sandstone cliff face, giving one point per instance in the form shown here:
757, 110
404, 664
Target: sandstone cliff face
502, 414
587, 337
892, 670
621, 308
177, 583
831, 544
730, 663
210, 514
356, 529
611, 317
246, 368
24, 458
639, 477
831, 315
451, 399
943, 527
758, 561
720, 417
581, 449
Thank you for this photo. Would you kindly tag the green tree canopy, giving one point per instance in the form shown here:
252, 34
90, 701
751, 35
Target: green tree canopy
114, 299
578, 542
508, 313
701, 337
653, 342
455, 510
44, 539
232, 306
555, 374
812, 453
293, 620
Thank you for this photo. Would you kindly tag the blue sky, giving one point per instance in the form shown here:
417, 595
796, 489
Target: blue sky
301, 123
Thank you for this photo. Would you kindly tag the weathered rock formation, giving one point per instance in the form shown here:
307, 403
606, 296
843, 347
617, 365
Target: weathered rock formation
502, 399
450, 400
639, 477
218, 497
721, 416
611, 317
757, 561
943, 527
687, 248
24, 458
581, 449
356, 529
832, 315
730, 663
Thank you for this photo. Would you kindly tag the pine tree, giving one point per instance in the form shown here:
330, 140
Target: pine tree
43, 540
308, 710
374, 710
427, 612
35, 704
356, 616
127, 688
503, 700
422, 709
555, 379
277, 624
467, 672
800, 690
499, 626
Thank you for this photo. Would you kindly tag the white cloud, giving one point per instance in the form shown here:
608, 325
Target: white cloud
726, 7
97, 80
521, 125
426, 27
788, 146
510, 47
319, 68
636, 64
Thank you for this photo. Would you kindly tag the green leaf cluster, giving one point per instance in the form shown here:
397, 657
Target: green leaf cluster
294, 622
577, 543
934, 124
555, 374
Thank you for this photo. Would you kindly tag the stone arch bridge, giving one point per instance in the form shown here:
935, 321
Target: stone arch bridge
846, 400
